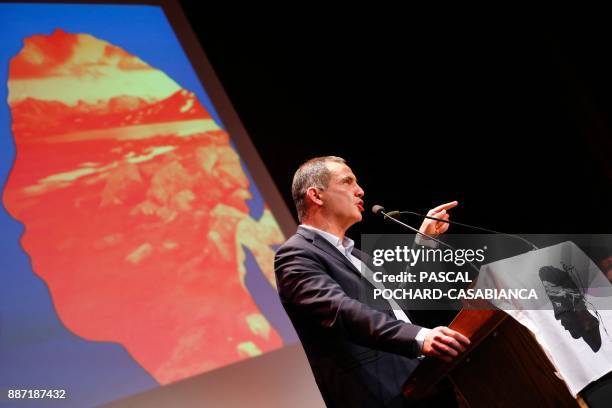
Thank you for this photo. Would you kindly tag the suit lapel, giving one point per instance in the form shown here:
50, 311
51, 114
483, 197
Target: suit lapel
363, 257
326, 246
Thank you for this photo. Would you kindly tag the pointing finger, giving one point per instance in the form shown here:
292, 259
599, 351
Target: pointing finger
446, 206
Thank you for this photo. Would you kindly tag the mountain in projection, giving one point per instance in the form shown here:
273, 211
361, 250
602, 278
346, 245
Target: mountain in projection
136, 208
37, 118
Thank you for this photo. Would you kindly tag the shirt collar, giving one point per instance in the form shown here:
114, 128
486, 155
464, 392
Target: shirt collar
345, 245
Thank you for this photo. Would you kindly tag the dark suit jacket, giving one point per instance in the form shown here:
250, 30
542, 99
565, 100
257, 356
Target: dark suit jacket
360, 356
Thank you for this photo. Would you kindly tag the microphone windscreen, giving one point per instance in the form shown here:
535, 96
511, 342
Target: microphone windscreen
377, 209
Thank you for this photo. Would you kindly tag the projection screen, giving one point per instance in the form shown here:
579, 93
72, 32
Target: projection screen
138, 222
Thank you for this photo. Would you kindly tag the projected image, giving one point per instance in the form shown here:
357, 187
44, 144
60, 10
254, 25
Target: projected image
139, 215
134, 205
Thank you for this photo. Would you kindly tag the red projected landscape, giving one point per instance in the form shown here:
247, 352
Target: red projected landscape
135, 208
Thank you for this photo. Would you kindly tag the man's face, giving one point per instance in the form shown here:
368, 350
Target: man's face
342, 199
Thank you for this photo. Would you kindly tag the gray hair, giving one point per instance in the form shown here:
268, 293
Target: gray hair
313, 173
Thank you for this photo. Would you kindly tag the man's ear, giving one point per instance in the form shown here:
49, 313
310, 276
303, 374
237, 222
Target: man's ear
313, 195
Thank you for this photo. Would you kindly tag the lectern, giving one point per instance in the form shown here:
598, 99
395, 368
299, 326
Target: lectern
515, 356
504, 366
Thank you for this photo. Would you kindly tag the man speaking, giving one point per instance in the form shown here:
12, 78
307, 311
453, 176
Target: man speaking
360, 356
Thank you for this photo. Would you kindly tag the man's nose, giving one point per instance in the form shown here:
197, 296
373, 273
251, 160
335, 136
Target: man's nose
359, 192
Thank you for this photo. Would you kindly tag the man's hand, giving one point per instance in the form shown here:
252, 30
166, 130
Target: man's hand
444, 343
435, 228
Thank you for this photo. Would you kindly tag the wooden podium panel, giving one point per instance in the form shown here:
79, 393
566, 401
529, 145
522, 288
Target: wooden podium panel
504, 366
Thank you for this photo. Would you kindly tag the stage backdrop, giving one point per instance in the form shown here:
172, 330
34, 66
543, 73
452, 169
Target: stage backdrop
136, 246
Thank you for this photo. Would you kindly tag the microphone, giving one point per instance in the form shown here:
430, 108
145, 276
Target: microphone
393, 215
377, 209
397, 214
380, 210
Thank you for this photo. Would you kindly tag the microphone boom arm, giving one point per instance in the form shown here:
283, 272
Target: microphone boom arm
531, 244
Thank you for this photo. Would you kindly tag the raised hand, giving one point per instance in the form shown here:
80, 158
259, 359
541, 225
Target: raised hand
435, 228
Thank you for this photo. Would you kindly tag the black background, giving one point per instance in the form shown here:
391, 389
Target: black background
510, 119
509, 116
